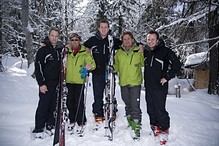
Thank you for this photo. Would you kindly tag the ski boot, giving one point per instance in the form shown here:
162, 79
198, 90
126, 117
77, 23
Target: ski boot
98, 119
80, 130
50, 130
163, 136
136, 127
38, 133
128, 117
71, 126
98, 122
156, 130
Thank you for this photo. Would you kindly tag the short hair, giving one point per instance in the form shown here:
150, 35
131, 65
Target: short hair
54, 29
103, 21
127, 33
154, 32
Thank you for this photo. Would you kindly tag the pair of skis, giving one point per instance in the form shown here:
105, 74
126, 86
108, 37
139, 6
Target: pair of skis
61, 108
110, 105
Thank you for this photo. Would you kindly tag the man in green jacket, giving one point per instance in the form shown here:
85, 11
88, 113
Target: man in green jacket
78, 59
128, 64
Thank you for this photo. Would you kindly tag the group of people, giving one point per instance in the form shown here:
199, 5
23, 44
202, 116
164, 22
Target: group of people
160, 65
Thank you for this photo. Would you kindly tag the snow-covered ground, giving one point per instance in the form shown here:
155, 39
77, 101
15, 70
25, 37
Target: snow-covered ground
194, 116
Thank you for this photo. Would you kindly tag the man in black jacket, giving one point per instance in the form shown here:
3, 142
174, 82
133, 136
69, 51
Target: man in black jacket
47, 70
161, 64
99, 45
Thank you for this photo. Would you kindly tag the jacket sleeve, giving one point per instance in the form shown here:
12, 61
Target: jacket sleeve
90, 60
39, 67
117, 43
142, 59
88, 43
175, 65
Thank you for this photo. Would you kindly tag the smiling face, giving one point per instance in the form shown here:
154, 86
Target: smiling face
127, 41
75, 42
152, 40
103, 29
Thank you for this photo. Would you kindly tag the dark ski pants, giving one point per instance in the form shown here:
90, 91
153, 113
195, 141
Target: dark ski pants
46, 106
156, 103
75, 103
131, 97
98, 89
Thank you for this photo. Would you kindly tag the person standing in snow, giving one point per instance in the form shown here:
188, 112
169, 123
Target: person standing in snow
47, 71
160, 65
99, 46
79, 62
128, 64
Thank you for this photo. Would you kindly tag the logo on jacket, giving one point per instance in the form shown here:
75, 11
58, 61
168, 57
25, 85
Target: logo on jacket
49, 57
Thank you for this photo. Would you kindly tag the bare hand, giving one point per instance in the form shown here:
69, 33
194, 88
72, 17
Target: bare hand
68, 46
88, 50
88, 66
43, 89
141, 48
163, 81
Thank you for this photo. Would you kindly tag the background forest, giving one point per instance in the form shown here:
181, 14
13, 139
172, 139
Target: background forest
187, 26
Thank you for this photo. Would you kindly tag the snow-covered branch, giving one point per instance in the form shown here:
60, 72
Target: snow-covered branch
196, 42
191, 18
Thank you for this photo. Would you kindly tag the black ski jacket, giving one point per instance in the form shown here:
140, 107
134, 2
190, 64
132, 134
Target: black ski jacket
161, 62
47, 63
100, 51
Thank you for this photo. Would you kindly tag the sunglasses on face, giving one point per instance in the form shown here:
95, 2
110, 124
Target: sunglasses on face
74, 40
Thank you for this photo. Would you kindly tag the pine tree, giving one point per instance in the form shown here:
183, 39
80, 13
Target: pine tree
100, 8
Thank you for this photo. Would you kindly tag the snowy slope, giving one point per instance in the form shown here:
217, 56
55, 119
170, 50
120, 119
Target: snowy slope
194, 116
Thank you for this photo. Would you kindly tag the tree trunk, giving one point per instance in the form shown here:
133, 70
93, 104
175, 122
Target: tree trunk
213, 26
26, 30
1, 49
1, 65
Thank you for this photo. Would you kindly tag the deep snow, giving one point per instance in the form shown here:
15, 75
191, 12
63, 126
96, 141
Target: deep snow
194, 116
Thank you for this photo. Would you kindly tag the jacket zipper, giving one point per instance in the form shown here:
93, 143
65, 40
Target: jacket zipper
57, 55
76, 60
152, 59
104, 49
131, 59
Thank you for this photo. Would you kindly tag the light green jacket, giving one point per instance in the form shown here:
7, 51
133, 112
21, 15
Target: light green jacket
129, 65
75, 63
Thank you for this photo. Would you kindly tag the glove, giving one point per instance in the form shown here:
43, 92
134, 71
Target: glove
84, 72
